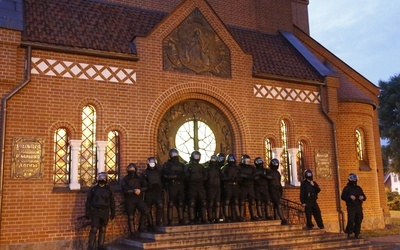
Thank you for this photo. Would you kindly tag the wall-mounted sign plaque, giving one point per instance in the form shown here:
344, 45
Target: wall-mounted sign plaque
27, 158
323, 164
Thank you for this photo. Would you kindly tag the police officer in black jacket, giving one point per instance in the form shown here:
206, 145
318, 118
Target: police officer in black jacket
230, 178
247, 172
261, 189
275, 188
173, 178
213, 189
195, 175
133, 186
354, 197
99, 205
154, 193
309, 190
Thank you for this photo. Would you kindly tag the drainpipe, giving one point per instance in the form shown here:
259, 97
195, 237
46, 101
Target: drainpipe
3, 114
339, 207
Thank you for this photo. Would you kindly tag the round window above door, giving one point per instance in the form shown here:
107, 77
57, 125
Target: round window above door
194, 125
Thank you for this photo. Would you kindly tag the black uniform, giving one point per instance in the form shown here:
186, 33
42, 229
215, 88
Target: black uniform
275, 188
130, 184
230, 179
195, 175
154, 193
261, 192
213, 189
99, 205
173, 178
247, 190
354, 207
308, 197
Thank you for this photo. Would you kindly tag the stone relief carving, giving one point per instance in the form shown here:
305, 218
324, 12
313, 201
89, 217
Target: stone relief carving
194, 47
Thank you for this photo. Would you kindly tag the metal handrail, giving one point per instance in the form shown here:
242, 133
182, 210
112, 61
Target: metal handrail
293, 211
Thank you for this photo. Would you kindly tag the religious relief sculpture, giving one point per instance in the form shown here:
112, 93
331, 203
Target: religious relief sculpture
194, 47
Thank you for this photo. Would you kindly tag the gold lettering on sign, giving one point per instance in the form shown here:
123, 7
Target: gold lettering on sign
27, 158
194, 47
323, 164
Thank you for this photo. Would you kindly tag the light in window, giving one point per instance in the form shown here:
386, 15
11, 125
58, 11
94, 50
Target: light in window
195, 135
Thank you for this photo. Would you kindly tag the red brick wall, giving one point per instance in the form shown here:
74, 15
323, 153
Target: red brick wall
33, 212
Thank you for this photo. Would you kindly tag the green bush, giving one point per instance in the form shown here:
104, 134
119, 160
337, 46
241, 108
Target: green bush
393, 200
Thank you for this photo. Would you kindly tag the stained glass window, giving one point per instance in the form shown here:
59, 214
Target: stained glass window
61, 158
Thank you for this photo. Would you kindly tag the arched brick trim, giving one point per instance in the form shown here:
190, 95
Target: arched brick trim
68, 126
273, 139
290, 130
202, 91
99, 115
309, 152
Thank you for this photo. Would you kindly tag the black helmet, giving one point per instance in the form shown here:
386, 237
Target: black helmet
246, 159
213, 158
221, 158
102, 178
231, 158
151, 162
259, 162
195, 156
353, 177
173, 153
274, 164
308, 174
131, 167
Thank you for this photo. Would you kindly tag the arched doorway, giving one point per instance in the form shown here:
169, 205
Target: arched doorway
194, 125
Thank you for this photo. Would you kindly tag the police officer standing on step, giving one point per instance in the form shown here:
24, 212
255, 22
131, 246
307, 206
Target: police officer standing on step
354, 197
247, 172
275, 188
99, 205
195, 175
154, 193
213, 189
174, 177
261, 189
133, 187
309, 190
230, 173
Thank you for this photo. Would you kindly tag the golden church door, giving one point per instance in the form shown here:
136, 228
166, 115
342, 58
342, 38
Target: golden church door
194, 125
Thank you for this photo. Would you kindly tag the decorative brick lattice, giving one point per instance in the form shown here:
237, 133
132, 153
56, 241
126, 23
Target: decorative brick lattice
287, 94
83, 71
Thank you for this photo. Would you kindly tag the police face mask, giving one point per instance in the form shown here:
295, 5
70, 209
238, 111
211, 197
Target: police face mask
102, 182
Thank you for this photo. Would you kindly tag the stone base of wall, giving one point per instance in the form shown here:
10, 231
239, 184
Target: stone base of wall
59, 245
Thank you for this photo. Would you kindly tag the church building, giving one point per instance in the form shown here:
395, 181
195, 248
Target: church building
89, 86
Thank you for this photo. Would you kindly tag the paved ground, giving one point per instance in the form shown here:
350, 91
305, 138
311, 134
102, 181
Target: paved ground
393, 239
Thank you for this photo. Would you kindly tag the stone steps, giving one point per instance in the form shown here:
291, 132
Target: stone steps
240, 235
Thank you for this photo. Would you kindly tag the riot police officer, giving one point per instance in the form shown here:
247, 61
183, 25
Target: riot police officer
309, 190
99, 205
354, 197
213, 189
261, 189
173, 177
133, 187
154, 193
247, 172
230, 177
275, 189
195, 175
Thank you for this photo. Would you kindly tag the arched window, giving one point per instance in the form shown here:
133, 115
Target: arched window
268, 151
195, 135
301, 161
361, 151
112, 157
285, 158
61, 158
87, 170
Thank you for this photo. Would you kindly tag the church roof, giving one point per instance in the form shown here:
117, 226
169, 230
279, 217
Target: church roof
111, 27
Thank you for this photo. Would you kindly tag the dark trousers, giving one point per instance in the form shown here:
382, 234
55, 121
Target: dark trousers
312, 209
354, 218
